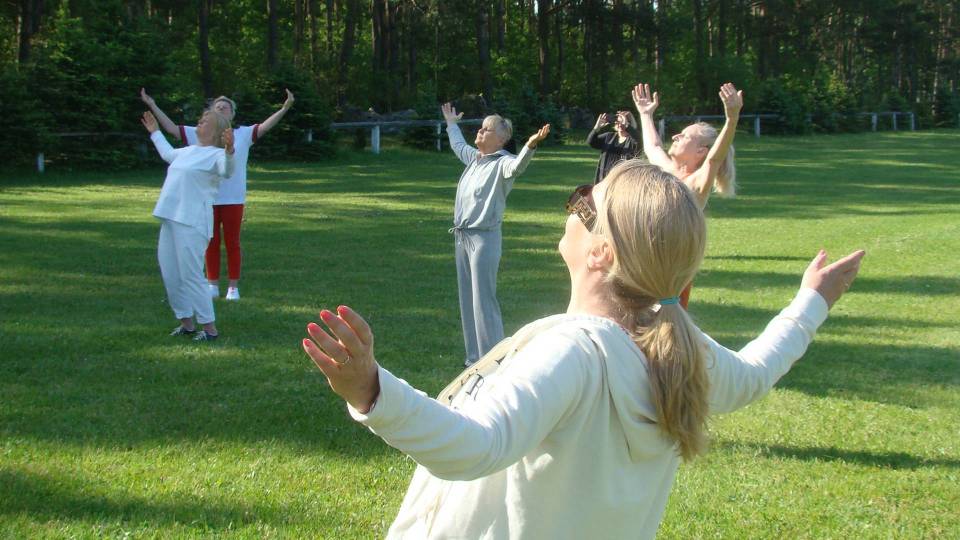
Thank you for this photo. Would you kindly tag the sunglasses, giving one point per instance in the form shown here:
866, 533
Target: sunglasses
581, 203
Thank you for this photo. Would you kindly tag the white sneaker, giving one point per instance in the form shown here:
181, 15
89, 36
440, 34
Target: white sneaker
233, 293
214, 290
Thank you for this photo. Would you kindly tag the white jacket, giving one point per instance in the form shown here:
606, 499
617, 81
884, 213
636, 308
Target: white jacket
194, 174
561, 440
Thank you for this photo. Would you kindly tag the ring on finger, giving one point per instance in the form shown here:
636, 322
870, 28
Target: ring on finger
346, 360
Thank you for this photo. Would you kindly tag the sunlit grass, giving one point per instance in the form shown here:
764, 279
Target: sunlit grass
108, 428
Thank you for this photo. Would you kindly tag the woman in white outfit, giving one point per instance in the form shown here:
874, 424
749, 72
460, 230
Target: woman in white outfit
575, 426
185, 210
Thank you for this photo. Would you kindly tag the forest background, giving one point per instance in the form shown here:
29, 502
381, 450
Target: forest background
76, 66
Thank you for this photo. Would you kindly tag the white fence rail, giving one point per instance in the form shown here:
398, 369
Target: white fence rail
377, 125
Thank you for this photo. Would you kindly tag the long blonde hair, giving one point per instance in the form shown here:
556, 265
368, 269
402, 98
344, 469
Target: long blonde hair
658, 234
726, 184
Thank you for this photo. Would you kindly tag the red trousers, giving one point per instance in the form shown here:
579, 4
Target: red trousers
230, 217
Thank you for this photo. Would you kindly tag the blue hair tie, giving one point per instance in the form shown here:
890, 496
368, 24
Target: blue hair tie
669, 301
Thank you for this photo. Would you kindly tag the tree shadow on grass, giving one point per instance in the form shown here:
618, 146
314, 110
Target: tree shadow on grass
70, 498
886, 460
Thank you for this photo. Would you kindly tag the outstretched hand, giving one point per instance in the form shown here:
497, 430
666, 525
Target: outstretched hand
149, 122
732, 99
289, 101
645, 101
537, 137
346, 361
145, 97
832, 280
227, 138
450, 113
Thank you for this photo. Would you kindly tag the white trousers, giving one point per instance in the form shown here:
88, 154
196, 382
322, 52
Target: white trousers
180, 252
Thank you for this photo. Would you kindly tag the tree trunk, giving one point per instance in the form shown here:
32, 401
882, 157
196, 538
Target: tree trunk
314, 39
482, 21
722, 29
558, 19
330, 27
501, 24
299, 17
662, 20
31, 11
698, 60
543, 35
272, 34
203, 47
346, 48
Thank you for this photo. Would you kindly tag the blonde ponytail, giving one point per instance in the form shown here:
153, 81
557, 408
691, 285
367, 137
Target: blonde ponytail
658, 234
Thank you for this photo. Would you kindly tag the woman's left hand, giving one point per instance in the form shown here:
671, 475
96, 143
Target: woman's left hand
347, 361
228, 140
732, 99
539, 136
289, 101
149, 122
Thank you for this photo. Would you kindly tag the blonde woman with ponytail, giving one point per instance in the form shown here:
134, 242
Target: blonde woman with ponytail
575, 426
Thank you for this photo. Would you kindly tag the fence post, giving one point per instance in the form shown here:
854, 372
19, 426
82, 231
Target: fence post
40, 164
756, 125
912, 125
375, 139
662, 124
439, 147
894, 115
873, 121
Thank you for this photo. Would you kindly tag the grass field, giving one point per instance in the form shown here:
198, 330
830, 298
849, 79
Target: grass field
109, 428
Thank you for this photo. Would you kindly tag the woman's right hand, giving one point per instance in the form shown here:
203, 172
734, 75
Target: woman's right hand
346, 359
645, 101
602, 120
149, 122
450, 113
732, 100
832, 280
146, 98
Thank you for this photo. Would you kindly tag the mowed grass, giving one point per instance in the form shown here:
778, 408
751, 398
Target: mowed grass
109, 428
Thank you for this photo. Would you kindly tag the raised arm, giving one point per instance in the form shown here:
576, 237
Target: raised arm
167, 152
738, 378
593, 138
164, 120
517, 165
646, 103
274, 118
493, 433
701, 182
464, 152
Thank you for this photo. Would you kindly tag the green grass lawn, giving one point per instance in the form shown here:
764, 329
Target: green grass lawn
110, 428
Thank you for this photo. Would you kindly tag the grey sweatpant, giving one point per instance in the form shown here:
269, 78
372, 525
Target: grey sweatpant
180, 253
478, 259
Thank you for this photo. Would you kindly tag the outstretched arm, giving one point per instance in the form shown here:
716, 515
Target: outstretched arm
164, 120
593, 138
738, 378
702, 181
646, 103
465, 153
167, 152
517, 165
274, 118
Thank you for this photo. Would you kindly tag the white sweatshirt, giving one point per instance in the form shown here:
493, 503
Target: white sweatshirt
194, 174
560, 440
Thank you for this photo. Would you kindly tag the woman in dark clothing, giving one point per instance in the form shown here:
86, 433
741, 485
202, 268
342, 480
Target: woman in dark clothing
615, 146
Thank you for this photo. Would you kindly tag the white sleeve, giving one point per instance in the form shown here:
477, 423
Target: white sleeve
739, 378
535, 392
188, 134
516, 165
167, 152
465, 153
225, 164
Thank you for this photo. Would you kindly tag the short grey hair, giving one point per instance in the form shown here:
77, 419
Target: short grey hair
233, 104
503, 126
